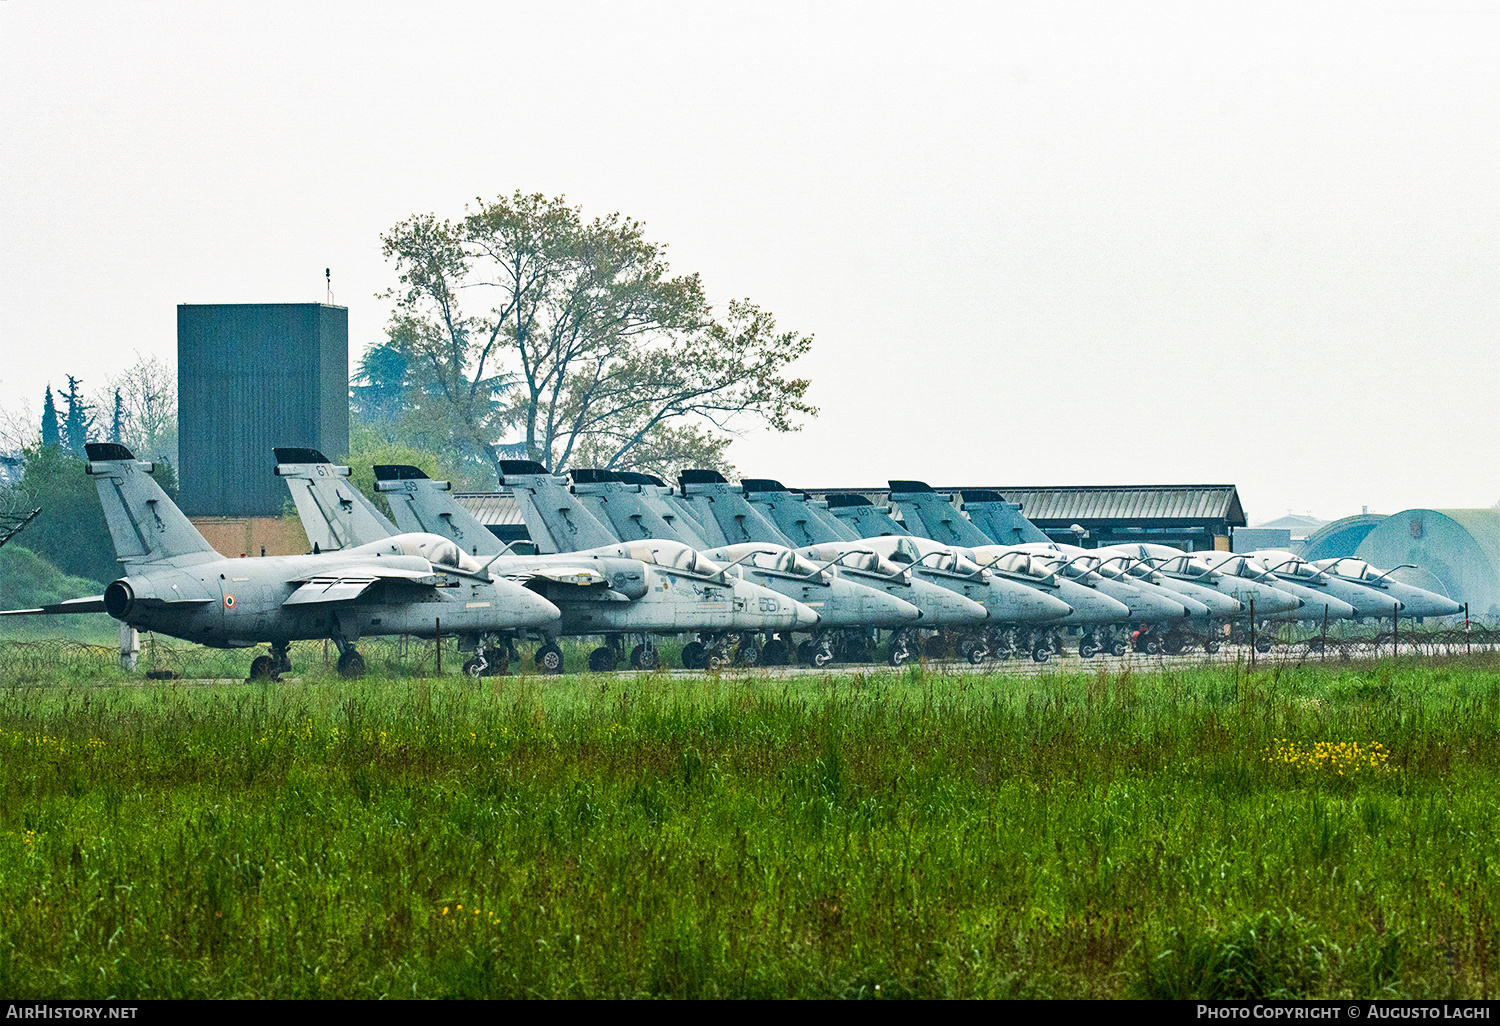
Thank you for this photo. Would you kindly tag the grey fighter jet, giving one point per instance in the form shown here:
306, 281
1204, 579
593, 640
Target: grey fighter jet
1233, 581
612, 589
1312, 603
1138, 565
177, 584
1015, 601
1286, 566
844, 605
1414, 602
942, 608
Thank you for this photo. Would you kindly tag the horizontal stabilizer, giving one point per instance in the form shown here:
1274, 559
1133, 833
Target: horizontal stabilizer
577, 576
293, 454
522, 468
636, 478
102, 452
592, 476
398, 472
93, 604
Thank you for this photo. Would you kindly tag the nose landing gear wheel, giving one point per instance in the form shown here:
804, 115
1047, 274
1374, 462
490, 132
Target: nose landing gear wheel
262, 668
548, 659
603, 660
1210, 647
351, 665
1087, 650
977, 654
475, 667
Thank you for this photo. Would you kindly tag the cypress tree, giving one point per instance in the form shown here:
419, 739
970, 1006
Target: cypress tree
76, 427
117, 424
50, 433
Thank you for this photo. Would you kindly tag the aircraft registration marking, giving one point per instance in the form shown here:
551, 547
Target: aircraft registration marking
476, 605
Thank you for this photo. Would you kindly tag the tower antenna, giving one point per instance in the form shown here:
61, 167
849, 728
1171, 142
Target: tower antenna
328, 279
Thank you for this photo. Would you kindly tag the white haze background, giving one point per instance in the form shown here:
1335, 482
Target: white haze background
1038, 244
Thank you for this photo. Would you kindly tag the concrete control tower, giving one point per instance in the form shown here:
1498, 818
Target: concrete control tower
251, 376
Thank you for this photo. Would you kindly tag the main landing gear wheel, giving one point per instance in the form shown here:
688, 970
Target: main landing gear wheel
1210, 647
1087, 649
548, 659
692, 656
805, 653
644, 657
1117, 648
747, 654
351, 664
1042, 652
262, 668
1262, 645
603, 660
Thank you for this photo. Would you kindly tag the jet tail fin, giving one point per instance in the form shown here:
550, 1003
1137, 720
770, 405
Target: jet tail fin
334, 513
555, 519
145, 525
421, 504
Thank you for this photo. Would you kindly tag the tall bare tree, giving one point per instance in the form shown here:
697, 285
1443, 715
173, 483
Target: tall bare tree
561, 338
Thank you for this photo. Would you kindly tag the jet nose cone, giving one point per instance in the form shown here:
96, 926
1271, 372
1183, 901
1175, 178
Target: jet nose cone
806, 617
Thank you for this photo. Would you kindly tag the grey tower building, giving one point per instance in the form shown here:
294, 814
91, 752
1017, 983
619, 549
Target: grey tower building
250, 377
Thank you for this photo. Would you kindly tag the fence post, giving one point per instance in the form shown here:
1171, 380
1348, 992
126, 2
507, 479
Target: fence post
1466, 630
1252, 634
1395, 631
438, 630
1325, 633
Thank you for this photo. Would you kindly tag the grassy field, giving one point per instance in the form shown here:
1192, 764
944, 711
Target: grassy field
1312, 830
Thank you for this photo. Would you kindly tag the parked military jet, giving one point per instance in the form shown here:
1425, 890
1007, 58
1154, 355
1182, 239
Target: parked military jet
1015, 600
1221, 572
1415, 602
1286, 566
613, 589
847, 607
175, 582
1311, 603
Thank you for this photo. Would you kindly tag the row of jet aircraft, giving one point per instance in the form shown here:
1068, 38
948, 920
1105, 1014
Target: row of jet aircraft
756, 572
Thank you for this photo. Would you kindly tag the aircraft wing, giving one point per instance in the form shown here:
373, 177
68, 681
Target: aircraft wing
351, 582
94, 604
578, 576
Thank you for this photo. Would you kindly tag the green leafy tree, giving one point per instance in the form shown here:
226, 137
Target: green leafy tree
70, 532
569, 340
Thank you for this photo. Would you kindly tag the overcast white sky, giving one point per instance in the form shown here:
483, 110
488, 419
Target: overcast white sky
1041, 243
